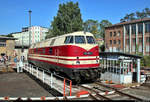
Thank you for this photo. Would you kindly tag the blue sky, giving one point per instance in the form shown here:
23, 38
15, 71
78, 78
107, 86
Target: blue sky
14, 13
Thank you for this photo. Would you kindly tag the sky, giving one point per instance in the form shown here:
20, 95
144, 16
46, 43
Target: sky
14, 13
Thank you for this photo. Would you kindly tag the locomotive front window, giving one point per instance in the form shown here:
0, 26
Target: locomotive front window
69, 39
90, 40
79, 39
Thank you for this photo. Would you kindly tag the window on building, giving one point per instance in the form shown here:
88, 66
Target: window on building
114, 41
127, 41
147, 48
118, 34
133, 48
127, 48
147, 27
114, 33
133, 28
147, 39
119, 41
127, 29
110, 42
140, 48
110, 34
2, 45
140, 40
133, 40
140, 28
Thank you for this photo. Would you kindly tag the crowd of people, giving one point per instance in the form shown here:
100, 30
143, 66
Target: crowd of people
4, 58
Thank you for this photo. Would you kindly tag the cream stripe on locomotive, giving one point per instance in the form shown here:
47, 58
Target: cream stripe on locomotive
67, 62
65, 57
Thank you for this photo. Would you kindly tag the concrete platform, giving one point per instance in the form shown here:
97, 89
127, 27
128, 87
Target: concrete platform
20, 85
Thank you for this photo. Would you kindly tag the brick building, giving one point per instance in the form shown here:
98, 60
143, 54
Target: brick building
7, 45
129, 37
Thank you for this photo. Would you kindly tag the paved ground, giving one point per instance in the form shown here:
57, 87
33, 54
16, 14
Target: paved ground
20, 85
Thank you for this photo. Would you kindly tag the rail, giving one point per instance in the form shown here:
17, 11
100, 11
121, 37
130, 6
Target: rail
119, 92
96, 93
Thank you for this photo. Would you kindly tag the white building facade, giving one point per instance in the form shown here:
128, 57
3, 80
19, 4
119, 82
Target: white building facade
37, 34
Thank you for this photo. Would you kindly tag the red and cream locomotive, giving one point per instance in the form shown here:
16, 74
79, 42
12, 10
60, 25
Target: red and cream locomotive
75, 55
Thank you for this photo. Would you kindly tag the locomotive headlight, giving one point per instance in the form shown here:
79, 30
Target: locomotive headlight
96, 59
77, 62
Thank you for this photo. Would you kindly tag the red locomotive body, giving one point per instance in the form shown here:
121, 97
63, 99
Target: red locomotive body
76, 55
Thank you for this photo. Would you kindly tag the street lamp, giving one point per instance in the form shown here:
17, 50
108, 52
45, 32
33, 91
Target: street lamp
30, 26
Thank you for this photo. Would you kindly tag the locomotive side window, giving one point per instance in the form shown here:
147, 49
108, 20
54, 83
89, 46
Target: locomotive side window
79, 39
43, 50
50, 50
90, 40
36, 50
69, 39
52, 42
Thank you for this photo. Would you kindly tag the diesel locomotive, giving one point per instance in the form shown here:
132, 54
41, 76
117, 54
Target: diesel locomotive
76, 55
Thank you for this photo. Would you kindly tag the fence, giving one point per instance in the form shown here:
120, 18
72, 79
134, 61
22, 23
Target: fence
48, 78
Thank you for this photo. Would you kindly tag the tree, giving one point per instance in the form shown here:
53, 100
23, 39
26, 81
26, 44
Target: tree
91, 26
9, 35
68, 19
103, 24
122, 20
140, 15
49, 34
126, 17
131, 16
137, 15
147, 12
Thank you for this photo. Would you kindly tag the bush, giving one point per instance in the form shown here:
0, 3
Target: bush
145, 61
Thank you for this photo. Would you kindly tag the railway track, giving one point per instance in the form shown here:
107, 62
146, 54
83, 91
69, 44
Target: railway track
129, 96
95, 95
95, 91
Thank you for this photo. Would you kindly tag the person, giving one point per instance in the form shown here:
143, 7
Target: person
1, 59
15, 59
4, 59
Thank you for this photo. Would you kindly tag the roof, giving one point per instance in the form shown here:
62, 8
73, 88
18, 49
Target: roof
15, 32
7, 38
106, 54
130, 22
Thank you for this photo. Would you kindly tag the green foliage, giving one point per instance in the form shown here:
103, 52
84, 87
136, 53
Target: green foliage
102, 48
68, 20
96, 28
145, 61
103, 24
9, 35
137, 15
91, 26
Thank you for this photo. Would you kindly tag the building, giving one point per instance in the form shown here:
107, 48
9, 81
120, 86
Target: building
37, 34
7, 45
129, 37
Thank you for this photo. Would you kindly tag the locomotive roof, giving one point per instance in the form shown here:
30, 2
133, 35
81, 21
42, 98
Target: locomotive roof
48, 41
